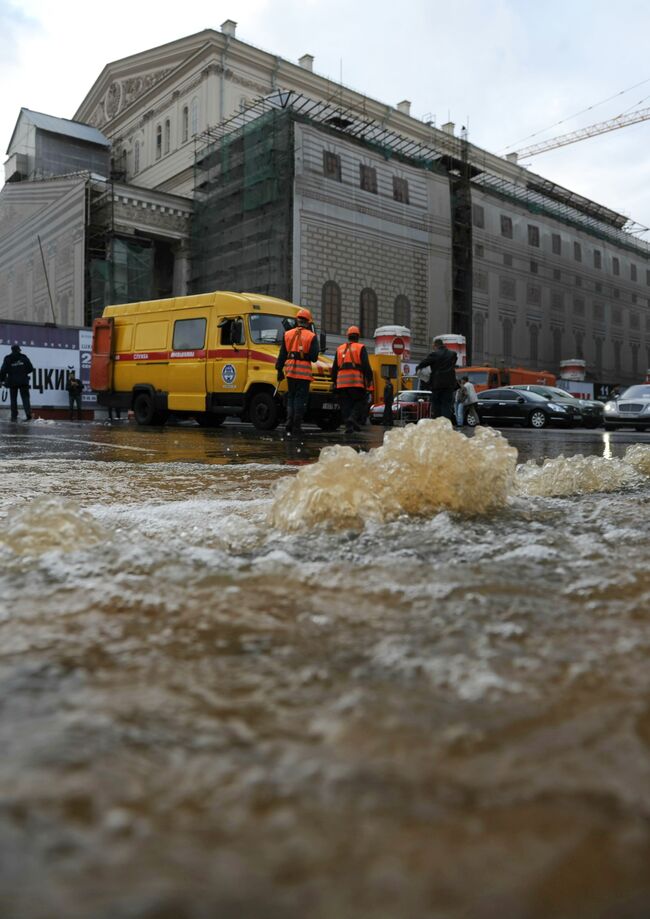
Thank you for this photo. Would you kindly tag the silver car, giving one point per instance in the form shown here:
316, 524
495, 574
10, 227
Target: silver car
631, 409
589, 412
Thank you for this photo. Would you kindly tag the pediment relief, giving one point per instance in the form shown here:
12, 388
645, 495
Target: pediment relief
121, 93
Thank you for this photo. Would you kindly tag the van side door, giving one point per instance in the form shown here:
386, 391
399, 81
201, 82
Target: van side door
187, 362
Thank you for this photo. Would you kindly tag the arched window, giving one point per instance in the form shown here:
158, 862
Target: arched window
367, 312
331, 307
195, 116
185, 124
168, 134
402, 311
136, 157
534, 340
507, 339
158, 142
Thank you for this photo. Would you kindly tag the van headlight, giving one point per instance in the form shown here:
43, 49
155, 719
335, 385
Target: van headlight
610, 406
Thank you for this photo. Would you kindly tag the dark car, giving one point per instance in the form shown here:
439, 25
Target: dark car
588, 412
516, 406
408, 405
630, 409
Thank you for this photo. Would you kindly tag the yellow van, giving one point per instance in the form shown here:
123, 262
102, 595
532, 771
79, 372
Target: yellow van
208, 356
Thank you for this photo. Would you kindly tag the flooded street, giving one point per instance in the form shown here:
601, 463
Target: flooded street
240, 682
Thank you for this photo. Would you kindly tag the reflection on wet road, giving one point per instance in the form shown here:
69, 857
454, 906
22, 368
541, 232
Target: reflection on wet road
208, 711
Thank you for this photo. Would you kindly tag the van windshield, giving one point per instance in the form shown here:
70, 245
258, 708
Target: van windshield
266, 329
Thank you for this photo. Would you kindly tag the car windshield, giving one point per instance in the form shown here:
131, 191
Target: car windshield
475, 376
266, 329
637, 392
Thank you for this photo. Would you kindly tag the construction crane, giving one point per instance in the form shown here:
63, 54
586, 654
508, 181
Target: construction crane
602, 127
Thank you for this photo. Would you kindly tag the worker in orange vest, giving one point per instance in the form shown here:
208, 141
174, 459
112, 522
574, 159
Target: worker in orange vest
299, 349
352, 375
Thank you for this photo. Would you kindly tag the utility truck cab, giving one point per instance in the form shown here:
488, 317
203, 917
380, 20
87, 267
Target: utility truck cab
494, 377
207, 356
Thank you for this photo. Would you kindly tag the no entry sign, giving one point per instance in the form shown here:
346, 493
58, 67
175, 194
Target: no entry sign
398, 346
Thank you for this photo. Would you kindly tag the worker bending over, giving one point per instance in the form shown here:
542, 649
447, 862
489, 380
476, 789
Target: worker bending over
298, 350
352, 375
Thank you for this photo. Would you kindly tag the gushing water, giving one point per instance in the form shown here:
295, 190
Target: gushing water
407, 682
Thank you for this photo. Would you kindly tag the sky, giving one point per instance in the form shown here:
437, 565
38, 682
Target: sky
507, 69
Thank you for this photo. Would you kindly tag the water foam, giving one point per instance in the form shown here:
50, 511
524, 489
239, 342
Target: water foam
581, 475
47, 524
419, 470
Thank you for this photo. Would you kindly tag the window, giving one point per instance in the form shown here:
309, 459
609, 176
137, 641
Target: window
368, 178
507, 260
533, 294
635, 322
158, 142
616, 266
599, 312
481, 281
331, 165
557, 274
195, 116
331, 307
402, 311
598, 259
556, 244
507, 288
577, 252
507, 339
617, 356
506, 226
598, 287
533, 235
478, 216
578, 281
479, 329
167, 136
617, 315
634, 298
185, 124
534, 339
578, 306
557, 300
400, 190
367, 312
632, 272
479, 250
634, 348
136, 157
534, 267
579, 349
598, 343
616, 293
232, 332
557, 346
189, 334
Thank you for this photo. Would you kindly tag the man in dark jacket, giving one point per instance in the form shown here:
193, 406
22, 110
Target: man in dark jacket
443, 382
14, 373
75, 388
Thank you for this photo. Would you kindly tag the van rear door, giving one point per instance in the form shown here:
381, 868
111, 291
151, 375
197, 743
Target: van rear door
101, 362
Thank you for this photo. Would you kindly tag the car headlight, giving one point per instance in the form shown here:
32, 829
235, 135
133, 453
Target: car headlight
610, 406
558, 407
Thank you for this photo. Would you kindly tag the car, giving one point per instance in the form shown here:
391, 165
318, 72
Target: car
629, 409
588, 412
408, 405
507, 405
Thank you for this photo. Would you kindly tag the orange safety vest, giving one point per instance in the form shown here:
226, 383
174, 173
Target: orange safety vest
298, 343
350, 371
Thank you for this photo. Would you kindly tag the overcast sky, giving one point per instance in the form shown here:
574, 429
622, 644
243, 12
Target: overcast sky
505, 68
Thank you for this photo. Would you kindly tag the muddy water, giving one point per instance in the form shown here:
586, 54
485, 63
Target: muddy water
213, 705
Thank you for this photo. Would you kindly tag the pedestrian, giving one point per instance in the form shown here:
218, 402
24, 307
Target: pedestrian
299, 349
118, 413
389, 392
14, 373
352, 376
466, 403
442, 381
75, 388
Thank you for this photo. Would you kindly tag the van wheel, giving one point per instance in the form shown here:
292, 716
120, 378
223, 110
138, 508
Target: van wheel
210, 419
264, 411
143, 409
537, 419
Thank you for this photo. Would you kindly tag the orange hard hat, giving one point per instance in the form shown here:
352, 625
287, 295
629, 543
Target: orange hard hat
354, 330
304, 314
